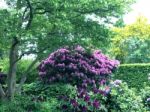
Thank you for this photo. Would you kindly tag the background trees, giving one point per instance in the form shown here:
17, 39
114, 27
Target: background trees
131, 44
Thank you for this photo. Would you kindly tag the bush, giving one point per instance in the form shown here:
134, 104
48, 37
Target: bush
19, 104
49, 96
118, 98
134, 74
21, 68
28, 104
37, 97
124, 99
68, 64
76, 66
145, 94
45, 92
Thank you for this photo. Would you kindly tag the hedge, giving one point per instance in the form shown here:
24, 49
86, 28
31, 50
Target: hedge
134, 74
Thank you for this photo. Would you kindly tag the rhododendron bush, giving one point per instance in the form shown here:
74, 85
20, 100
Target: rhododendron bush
88, 71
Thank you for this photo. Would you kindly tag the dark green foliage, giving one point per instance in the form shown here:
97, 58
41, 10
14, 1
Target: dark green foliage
19, 104
44, 92
38, 98
145, 94
134, 74
49, 95
28, 104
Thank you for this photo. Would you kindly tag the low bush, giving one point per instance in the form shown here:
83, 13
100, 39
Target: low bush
124, 99
26, 103
145, 94
49, 96
134, 74
20, 104
45, 92
58, 97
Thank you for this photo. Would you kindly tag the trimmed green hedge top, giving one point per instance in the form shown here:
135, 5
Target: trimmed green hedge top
134, 74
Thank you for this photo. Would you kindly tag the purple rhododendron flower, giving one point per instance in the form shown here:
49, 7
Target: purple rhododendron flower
84, 109
79, 48
117, 82
95, 90
74, 102
96, 104
87, 98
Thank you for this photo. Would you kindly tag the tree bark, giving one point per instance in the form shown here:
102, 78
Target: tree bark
24, 76
2, 93
11, 79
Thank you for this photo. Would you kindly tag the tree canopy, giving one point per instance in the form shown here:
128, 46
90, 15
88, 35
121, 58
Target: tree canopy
38, 23
131, 43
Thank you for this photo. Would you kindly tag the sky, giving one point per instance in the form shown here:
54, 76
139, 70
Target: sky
2, 4
141, 7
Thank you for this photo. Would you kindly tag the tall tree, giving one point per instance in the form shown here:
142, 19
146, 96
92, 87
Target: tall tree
33, 26
131, 43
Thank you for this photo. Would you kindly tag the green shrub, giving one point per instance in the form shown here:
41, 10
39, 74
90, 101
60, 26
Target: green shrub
125, 99
26, 103
145, 94
45, 92
49, 96
134, 74
21, 68
20, 104
50, 106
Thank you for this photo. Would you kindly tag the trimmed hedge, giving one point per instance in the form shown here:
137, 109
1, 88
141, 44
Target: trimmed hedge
134, 74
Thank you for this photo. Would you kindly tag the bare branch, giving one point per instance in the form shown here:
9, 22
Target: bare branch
31, 52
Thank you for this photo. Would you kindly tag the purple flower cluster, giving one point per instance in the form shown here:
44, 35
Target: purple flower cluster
117, 83
78, 67
75, 62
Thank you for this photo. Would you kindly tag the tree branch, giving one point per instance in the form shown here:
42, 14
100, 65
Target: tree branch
2, 93
31, 52
30, 13
23, 15
24, 76
42, 11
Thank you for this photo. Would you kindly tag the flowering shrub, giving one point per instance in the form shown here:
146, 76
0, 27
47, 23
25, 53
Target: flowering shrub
88, 71
124, 99
145, 94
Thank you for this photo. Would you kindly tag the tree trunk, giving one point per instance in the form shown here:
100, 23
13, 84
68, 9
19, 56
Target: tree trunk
2, 93
24, 76
11, 79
